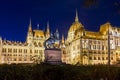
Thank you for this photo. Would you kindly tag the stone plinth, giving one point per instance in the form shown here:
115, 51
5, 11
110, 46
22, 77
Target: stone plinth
53, 56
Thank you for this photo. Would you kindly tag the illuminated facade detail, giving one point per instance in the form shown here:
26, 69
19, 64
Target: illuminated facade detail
87, 47
27, 52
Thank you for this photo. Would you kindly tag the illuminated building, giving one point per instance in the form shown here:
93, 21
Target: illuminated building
88, 47
80, 47
28, 52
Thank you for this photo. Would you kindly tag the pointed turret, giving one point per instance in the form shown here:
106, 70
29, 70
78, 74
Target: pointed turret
30, 33
47, 31
63, 41
76, 17
30, 27
38, 26
56, 34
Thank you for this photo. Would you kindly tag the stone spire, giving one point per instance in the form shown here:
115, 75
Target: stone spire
76, 18
56, 34
63, 39
30, 27
48, 30
30, 33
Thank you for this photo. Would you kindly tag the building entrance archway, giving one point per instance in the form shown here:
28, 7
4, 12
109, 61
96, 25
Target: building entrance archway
85, 60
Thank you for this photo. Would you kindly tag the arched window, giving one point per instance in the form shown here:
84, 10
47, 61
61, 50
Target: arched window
40, 44
35, 43
90, 58
30, 51
94, 58
116, 53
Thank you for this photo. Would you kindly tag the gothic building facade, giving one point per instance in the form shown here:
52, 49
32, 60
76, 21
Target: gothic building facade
88, 47
30, 51
80, 47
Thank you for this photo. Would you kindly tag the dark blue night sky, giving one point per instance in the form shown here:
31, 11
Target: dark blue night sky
15, 15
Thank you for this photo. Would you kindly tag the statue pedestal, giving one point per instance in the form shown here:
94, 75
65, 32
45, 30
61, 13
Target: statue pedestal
53, 56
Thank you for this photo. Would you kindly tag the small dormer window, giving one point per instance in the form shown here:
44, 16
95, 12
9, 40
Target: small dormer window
40, 44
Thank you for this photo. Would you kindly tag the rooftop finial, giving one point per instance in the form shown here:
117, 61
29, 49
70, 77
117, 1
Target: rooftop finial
76, 18
38, 26
56, 30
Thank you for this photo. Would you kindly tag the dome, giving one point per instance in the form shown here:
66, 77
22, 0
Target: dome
75, 26
79, 32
